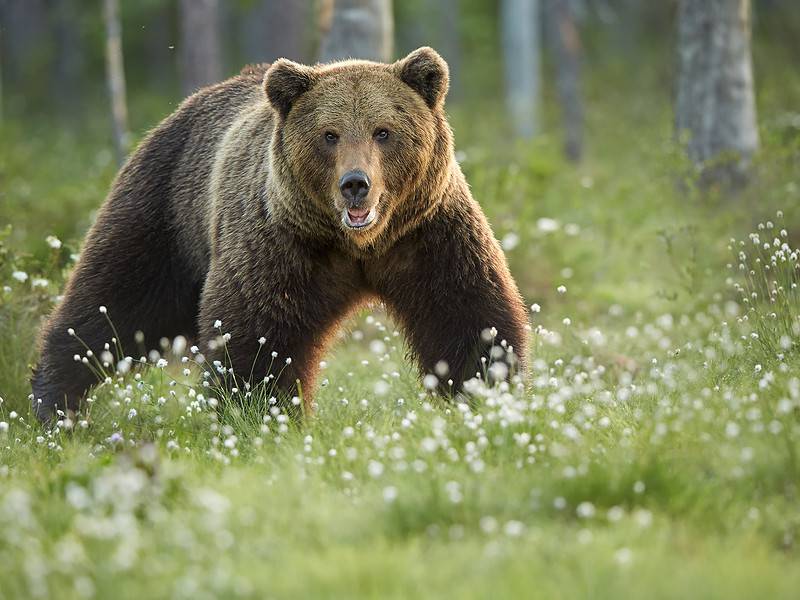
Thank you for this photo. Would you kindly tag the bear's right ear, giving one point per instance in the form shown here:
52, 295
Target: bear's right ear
285, 81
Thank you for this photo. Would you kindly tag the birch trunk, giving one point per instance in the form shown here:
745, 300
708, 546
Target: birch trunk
522, 62
115, 77
715, 105
359, 29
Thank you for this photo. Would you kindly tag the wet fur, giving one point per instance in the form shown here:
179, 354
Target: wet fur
222, 213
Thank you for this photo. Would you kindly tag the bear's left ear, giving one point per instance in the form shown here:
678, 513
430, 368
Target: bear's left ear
426, 73
285, 81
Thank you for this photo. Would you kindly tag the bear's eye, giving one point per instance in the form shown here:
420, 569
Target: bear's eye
331, 137
382, 135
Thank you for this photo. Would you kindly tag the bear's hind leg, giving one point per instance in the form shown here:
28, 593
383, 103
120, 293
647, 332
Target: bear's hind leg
137, 276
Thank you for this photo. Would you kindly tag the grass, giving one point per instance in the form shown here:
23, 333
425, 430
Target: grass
652, 453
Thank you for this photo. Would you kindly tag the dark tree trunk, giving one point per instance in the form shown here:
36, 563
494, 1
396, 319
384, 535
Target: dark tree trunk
2, 72
200, 49
160, 49
24, 29
359, 29
69, 59
715, 105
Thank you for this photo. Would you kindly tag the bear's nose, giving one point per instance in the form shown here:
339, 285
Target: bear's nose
354, 186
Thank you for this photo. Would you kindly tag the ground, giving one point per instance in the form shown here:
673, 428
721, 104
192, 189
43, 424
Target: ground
652, 453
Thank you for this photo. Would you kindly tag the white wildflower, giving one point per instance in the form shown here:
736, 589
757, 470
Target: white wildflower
375, 469
389, 494
585, 510
514, 528
510, 241
623, 556
547, 225
430, 381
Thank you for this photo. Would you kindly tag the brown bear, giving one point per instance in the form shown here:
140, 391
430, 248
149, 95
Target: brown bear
276, 203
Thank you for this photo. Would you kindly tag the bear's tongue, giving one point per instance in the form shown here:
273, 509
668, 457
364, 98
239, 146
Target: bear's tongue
357, 215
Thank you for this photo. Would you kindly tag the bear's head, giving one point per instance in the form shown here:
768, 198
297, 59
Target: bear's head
367, 143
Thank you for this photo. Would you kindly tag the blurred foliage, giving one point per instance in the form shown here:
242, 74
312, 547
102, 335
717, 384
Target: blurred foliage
618, 35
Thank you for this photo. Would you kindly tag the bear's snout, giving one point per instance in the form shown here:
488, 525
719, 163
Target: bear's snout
354, 186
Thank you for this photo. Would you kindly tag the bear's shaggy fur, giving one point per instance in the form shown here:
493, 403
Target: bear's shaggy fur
231, 210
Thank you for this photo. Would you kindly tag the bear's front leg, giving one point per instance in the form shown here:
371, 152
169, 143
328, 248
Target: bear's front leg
449, 287
269, 318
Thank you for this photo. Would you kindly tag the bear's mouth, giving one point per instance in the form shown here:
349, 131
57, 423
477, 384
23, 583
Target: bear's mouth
358, 218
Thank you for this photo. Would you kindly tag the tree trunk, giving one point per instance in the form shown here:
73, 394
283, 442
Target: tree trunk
200, 50
359, 29
567, 46
273, 29
2, 73
521, 52
69, 59
24, 35
448, 16
115, 76
715, 104
159, 54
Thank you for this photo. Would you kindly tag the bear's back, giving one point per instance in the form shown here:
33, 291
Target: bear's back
208, 116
